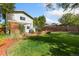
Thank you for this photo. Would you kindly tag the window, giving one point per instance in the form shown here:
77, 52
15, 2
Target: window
28, 27
22, 18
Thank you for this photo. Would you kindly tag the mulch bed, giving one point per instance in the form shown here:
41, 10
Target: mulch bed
7, 43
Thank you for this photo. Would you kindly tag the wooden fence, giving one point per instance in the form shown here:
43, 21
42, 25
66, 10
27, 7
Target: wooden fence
61, 28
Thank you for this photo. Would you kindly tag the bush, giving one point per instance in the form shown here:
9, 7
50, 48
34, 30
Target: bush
48, 33
31, 31
21, 28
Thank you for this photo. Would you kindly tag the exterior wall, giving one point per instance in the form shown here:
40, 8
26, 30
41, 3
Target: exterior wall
17, 18
27, 22
27, 30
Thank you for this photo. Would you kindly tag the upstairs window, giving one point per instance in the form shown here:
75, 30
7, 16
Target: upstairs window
22, 18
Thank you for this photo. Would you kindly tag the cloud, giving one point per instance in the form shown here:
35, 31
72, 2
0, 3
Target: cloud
50, 21
45, 4
60, 12
57, 12
54, 13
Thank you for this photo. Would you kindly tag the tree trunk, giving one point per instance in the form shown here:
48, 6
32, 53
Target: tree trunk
5, 26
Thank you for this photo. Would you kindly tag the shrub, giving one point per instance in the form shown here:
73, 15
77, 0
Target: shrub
48, 33
31, 31
21, 28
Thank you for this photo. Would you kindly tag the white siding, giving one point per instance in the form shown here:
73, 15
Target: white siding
27, 21
17, 18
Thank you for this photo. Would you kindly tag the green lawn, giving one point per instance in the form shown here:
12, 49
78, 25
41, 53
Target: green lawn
54, 44
2, 38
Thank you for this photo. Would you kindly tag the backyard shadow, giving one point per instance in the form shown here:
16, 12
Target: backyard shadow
57, 48
74, 33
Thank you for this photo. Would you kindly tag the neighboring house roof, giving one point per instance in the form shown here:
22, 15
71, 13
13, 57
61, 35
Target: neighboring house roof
24, 13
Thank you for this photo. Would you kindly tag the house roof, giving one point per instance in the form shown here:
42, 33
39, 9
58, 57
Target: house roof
24, 13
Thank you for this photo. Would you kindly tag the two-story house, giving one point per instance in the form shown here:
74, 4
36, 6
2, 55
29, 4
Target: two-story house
20, 17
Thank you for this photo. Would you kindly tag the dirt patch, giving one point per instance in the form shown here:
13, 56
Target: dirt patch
7, 43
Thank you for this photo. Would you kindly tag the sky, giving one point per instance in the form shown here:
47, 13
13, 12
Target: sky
37, 9
31, 8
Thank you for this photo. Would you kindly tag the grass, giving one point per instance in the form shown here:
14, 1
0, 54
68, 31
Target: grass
29, 48
2, 38
54, 44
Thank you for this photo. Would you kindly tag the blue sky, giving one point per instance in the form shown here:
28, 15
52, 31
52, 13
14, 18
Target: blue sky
39, 9
35, 10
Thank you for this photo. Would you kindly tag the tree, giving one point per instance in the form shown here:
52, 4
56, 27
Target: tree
66, 19
7, 8
76, 21
39, 22
35, 21
69, 19
65, 6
